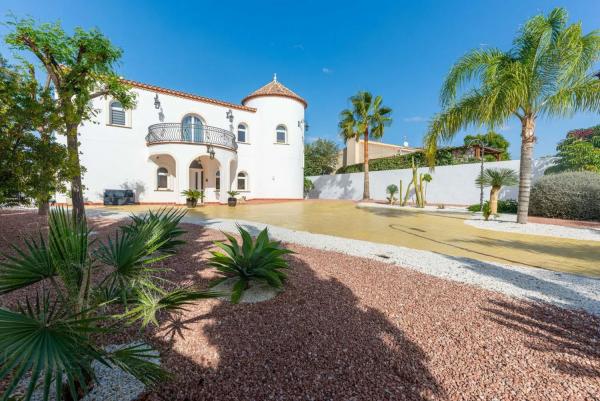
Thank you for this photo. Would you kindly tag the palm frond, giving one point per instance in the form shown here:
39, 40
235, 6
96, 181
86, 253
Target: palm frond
146, 303
141, 361
477, 64
47, 343
29, 266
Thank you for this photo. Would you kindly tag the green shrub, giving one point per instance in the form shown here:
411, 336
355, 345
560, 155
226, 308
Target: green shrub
261, 261
443, 158
504, 206
570, 195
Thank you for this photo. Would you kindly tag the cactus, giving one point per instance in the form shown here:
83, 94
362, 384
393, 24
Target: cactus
400, 193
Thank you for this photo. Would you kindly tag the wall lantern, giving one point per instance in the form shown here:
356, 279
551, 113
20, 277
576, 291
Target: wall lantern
156, 102
302, 124
229, 115
211, 151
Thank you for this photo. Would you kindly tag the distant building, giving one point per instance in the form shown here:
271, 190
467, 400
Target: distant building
354, 153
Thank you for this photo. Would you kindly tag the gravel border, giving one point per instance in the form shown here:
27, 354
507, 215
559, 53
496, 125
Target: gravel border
561, 289
114, 384
508, 223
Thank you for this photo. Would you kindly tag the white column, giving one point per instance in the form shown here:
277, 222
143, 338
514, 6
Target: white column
182, 180
225, 179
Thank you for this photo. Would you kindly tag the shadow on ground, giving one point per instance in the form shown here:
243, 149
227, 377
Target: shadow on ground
557, 289
553, 330
312, 342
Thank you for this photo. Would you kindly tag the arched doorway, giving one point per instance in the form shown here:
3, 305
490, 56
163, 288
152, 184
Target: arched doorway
192, 128
196, 175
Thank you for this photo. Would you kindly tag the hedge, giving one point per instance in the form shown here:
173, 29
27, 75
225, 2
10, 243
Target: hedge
571, 195
443, 158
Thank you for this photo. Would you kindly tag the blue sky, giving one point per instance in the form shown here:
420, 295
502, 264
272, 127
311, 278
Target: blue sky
324, 50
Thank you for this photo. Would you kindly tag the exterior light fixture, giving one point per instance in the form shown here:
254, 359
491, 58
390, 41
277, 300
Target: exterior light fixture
156, 102
303, 125
229, 115
211, 151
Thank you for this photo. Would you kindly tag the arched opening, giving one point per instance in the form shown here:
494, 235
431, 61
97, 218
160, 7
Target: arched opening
192, 128
196, 175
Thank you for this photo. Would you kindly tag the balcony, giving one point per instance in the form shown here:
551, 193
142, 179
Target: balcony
195, 134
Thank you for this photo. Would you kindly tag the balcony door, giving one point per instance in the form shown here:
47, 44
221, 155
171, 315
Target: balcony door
192, 129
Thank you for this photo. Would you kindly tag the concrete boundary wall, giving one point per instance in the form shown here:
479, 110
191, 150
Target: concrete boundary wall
451, 185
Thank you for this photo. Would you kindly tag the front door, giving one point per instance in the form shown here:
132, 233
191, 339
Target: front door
197, 178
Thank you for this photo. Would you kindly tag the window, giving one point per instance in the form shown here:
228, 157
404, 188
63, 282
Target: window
281, 134
241, 133
117, 113
191, 129
162, 178
218, 181
242, 181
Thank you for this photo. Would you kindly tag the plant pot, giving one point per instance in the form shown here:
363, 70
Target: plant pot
191, 202
232, 201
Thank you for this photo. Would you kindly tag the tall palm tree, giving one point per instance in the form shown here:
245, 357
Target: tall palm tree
366, 119
496, 178
546, 73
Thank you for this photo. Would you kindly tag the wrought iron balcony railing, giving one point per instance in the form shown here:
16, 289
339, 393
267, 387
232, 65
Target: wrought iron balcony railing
190, 133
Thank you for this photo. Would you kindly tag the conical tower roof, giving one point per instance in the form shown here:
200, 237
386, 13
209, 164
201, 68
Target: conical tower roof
275, 88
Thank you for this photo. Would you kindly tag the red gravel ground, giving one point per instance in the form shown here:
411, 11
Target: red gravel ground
355, 329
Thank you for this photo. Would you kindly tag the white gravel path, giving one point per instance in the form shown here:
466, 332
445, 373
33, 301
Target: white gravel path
562, 289
508, 223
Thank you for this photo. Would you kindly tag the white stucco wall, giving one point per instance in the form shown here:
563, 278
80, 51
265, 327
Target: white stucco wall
118, 157
451, 185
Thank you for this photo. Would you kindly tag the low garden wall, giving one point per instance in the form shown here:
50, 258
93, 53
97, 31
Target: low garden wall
451, 185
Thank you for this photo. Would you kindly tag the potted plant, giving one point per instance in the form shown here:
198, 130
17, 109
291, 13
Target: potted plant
232, 200
192, 196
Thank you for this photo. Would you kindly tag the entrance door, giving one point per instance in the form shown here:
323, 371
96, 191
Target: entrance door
196, 178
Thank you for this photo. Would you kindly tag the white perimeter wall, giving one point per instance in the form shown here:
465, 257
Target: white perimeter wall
451, 185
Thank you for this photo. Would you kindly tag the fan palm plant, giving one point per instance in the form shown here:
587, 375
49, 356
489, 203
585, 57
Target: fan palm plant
391, 190
83, 289
365, 120
546, 73
496, 178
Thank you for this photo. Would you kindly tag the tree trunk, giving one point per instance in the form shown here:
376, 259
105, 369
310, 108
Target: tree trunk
43, 206
527, 141
75, 172
366, 194
494, 192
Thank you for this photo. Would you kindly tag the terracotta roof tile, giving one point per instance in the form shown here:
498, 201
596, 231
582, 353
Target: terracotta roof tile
185, 95
275, 88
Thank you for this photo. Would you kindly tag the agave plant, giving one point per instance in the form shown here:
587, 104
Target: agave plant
260, 260
46, 341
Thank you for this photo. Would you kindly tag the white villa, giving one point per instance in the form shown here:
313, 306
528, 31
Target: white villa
172, 141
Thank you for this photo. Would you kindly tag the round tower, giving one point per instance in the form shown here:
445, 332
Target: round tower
279, 151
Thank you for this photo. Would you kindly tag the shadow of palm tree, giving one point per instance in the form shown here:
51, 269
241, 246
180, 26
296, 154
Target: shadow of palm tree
540, 290
314, 341
554, 330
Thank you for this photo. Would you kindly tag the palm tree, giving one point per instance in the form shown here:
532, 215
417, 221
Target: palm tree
366, 119
547, 72
496, 178
48, 340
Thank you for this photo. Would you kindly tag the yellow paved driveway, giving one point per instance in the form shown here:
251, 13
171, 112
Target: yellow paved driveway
439, 232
